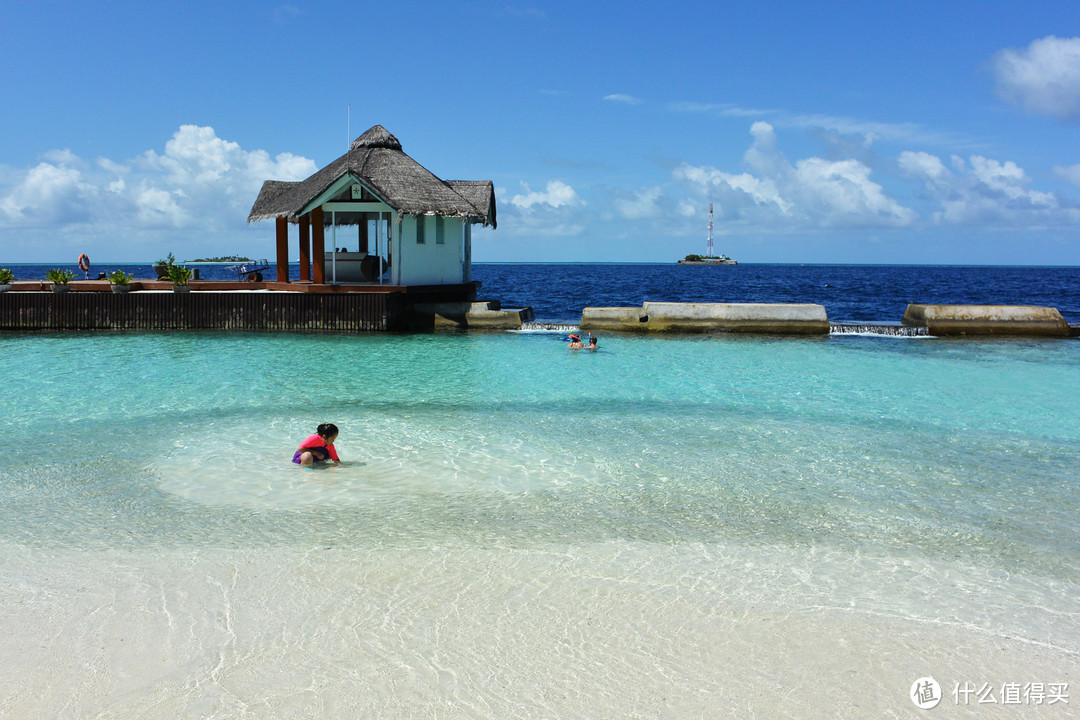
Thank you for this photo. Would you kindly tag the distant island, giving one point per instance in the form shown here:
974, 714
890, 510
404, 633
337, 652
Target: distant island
224, 259
707, 260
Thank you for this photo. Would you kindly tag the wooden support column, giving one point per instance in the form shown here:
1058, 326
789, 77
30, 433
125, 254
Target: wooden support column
318, 247
363, 232
305, 249
282, 249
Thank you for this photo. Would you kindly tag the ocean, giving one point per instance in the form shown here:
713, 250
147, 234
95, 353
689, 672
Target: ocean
706, 526
855, 294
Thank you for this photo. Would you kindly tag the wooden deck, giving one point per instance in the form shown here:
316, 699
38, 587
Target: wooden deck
152, 305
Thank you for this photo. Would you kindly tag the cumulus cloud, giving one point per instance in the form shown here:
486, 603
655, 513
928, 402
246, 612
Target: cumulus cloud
686, 208
195, 157
198, 181
552, 212
983, 191
640, 204
1070, 173
48, 194
812, 192
624, 99
556, 194
1043, 78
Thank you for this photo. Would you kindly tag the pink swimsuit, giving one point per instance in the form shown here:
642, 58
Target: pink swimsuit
317, 447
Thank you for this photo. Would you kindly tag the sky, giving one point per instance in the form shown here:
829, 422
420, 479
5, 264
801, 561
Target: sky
842, 132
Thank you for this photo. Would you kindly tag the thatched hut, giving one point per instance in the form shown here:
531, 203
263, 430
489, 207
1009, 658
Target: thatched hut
410, 227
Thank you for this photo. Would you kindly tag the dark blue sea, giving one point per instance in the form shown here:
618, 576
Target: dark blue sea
850, 293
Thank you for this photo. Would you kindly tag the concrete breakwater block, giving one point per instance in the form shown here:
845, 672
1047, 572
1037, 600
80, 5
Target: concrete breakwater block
488, 315
1031, 320
779, 318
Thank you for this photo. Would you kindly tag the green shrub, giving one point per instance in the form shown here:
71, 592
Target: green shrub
60, 277
119, 277
6, 276
179, 274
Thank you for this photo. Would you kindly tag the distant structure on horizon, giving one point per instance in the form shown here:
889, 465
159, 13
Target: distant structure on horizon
412, 227
708, 258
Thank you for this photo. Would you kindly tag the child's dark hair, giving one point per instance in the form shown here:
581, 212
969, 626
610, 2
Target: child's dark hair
327, 429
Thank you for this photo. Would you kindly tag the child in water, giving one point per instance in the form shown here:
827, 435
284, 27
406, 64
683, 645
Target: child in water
318, 447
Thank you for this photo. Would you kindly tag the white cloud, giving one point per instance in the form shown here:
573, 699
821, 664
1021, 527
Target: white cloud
63, 157
46, 194
1070, 173
553, 212
1044, 78
640, 204
814, 192
200, 181
624, 99
556, 194
984, 191
157, 207
921, 163
197, 159
862, 132
718, 109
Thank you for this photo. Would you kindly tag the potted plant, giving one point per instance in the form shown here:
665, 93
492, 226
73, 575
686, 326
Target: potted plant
180, 277
59, 279
6, 278
161, 267
120, 281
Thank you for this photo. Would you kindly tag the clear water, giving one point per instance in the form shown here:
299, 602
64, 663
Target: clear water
666, 527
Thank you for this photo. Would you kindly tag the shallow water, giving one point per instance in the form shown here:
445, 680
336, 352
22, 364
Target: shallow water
665, 527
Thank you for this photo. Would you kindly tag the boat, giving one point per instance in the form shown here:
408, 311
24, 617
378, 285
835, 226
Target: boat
708, 258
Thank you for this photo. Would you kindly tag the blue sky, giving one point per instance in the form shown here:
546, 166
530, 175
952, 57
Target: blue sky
912, 132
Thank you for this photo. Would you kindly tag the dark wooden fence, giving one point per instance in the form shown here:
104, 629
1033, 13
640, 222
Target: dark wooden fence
345, 312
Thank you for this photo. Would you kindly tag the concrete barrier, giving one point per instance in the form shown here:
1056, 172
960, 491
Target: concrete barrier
487, 315
621, 319
779, 318
1030, 320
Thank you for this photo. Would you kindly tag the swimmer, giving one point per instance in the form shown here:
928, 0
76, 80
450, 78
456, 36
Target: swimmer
575, 342
592, 342
318, 447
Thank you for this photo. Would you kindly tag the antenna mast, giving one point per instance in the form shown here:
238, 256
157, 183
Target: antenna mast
709, 246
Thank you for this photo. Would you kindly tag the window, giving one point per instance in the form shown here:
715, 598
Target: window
440, 231
421, 221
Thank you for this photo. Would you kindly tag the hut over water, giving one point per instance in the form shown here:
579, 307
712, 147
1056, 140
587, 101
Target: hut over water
375, 215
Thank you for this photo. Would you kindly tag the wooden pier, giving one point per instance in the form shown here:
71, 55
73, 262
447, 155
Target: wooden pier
88, 306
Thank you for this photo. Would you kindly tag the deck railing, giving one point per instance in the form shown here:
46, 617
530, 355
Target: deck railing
346, 312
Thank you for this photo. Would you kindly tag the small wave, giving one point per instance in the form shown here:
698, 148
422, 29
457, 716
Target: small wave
879, 330
537, 327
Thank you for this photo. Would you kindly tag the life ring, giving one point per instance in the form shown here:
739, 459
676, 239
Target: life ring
84, 262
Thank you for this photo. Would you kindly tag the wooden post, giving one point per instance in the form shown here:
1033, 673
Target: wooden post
318, 247
363, 232
305, 249
282, 249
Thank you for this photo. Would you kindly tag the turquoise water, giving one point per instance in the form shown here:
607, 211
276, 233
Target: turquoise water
894, 494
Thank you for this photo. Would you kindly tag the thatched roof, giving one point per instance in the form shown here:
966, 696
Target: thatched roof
376, 161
